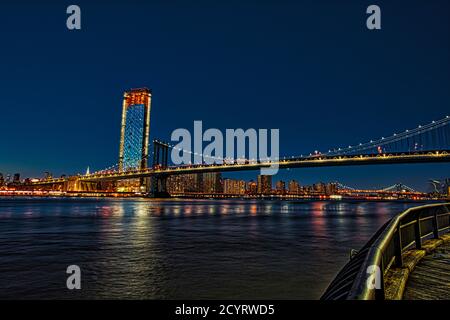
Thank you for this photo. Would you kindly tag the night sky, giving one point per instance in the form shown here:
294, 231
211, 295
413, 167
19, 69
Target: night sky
310, 68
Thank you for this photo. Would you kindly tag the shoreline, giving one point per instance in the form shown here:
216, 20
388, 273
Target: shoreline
115, 195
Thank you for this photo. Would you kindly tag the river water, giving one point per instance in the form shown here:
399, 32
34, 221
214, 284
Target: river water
180, 249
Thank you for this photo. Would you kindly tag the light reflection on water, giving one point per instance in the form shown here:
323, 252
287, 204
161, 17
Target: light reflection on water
156, 249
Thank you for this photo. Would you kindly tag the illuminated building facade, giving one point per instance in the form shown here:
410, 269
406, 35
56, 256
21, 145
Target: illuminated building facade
189, 183
176, 184
264, 184
212, 182
135, 129
331, 188
195, 183
252, 187
319, 188
233, 186
281, 187
294, 187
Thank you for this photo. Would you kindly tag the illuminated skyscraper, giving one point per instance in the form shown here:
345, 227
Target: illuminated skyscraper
264, 184
232, 186
281, 187
135, 129
212, 182
252, 187
294, 187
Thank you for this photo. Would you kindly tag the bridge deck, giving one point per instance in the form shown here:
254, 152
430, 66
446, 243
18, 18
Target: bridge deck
430, 279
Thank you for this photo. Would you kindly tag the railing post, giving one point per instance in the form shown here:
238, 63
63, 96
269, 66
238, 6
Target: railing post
398, 246
435, 225
447, 210
418, 232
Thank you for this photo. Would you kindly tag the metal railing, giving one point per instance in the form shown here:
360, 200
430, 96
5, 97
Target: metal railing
385, 248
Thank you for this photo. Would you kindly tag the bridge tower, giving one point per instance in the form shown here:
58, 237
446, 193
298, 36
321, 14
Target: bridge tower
160, 154
135, 129
160, 161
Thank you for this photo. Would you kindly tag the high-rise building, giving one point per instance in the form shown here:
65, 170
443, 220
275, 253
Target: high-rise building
135, 129
181, 183
319, 188
212, 182
252, 187
331, 188
264, 184
228, 186
193, 182
175, 183
16, 179
280, 186
2, 180
308, 189
233, 186
294, 187
241, 186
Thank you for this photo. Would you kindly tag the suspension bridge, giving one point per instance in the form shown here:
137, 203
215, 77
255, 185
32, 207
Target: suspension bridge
423, 144
398, 187
428, 143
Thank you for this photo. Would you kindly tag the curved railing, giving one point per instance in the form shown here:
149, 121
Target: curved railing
385, 248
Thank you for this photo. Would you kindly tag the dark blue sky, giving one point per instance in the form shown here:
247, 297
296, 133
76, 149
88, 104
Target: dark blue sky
309, 68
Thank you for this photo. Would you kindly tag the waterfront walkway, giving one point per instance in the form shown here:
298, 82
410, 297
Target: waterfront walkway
409, 257
430, 279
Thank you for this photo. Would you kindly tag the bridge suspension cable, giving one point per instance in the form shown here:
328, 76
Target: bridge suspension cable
430, 137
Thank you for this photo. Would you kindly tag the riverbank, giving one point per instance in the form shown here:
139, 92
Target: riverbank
51, 194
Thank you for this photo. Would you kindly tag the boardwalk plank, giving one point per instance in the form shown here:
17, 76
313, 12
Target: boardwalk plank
435, 275
430, 289
430, 280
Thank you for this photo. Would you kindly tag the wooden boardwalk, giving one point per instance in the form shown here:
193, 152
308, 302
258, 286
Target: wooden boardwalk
430, 279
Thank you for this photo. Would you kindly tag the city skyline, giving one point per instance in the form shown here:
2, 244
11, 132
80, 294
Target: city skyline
325, 94
215, 185
134, 146
133, 156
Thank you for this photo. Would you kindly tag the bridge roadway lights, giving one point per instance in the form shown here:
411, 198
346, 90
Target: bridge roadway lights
161, 171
